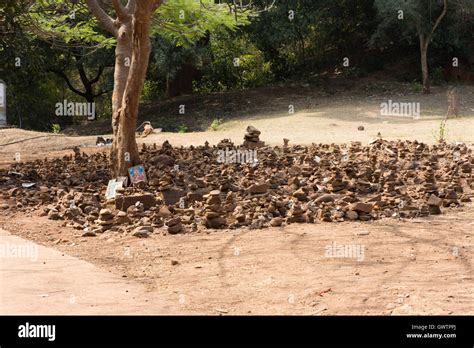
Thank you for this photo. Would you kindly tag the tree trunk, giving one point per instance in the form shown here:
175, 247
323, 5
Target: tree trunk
424, 65
134, 39
131, 28
123, 58
425, 40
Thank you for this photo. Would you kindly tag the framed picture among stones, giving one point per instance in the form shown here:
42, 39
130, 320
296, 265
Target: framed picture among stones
137, 174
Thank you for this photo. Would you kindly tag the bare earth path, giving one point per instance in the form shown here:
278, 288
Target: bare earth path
44, 281
414, 267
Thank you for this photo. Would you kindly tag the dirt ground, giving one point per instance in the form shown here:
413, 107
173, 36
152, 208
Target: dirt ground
422, 266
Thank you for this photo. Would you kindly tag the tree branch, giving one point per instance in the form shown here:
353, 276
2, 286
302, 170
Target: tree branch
104, 19
120, 10
71, 87
445, 9
101, 93
99, 73
82, 74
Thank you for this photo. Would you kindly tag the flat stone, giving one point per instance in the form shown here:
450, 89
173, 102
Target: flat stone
89, 234
258, 188
173, 222
172, 195
327, 198
300, 195
140, 232
175, 228
361, 207
123, 202
435, 201
276, 221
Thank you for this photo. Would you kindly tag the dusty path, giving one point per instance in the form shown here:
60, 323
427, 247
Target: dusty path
40, 280
412, 267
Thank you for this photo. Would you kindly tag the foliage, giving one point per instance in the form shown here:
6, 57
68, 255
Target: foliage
235, 62
56, 128
440, 135
182, 129
215, 124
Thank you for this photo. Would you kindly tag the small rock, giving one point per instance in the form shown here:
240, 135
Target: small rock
258, 188
352, 215
276, 221
89, 234
361, 207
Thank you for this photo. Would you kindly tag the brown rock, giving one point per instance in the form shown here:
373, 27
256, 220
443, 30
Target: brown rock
435, 201
361, 207
352, 215
327, 198
123, 202
258, 188
300, 195
172, 195
173, 222
175, 228
164, 212
276, 221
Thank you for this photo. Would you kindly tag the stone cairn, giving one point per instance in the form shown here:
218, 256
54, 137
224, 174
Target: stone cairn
214, 213
251, 138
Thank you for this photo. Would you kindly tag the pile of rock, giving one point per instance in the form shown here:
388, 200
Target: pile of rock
214, 214
189, 188
252, 138
106, 219
296, 214
174, 225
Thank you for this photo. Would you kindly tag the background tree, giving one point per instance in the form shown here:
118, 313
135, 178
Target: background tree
130, 25
420, 16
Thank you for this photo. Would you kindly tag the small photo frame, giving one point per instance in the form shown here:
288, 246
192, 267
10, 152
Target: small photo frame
137, 174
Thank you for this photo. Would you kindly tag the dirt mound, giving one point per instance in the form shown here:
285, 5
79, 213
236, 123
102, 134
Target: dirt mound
227, 186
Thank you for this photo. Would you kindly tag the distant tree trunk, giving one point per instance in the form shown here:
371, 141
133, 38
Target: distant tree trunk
132, 31
424, 43
424, 65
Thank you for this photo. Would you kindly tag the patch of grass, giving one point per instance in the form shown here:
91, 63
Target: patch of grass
416, 86
215, 124
440, 134
183, 129
56, 128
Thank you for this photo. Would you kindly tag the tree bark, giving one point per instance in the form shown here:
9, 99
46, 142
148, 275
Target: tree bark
424, 43
131, 28
424, 65
136, 36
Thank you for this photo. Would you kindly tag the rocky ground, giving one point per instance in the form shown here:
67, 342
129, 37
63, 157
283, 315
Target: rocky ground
194, 188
